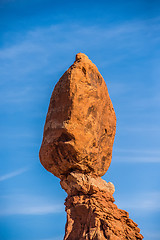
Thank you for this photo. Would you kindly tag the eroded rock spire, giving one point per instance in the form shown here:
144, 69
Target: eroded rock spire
77, 147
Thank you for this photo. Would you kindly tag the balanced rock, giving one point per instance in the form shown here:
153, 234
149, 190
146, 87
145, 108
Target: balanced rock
81, 123
77, 147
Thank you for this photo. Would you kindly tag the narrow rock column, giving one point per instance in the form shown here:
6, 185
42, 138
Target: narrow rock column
77, 147
91, 212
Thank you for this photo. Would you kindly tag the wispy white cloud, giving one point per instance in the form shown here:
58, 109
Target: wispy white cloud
118, 88
145, 129
41, 50
152, 235
144, 202
136, 155
139, 151
23, 204
42, 43
33, 210
147, 102
136, 159
13, 174
22, 95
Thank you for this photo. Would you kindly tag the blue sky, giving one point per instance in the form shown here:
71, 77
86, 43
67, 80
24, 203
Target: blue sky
38, 42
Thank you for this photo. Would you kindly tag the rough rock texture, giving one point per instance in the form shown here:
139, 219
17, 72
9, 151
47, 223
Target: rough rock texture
77, 147
91, 213
80, 124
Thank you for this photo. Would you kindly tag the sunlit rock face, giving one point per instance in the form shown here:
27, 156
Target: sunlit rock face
77, 147
80, 124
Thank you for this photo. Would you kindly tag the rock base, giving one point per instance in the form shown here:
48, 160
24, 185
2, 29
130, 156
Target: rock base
95, 216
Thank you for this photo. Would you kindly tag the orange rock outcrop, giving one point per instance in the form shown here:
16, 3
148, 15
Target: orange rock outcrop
77, 147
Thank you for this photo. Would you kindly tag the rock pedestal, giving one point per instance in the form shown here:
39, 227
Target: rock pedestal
77, 147
91, 212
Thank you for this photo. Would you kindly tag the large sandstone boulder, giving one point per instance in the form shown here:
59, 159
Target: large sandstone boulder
81, 123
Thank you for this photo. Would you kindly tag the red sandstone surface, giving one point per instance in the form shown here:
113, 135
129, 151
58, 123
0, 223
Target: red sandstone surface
77, 147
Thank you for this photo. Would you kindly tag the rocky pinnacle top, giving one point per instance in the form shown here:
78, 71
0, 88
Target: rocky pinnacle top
81, 56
